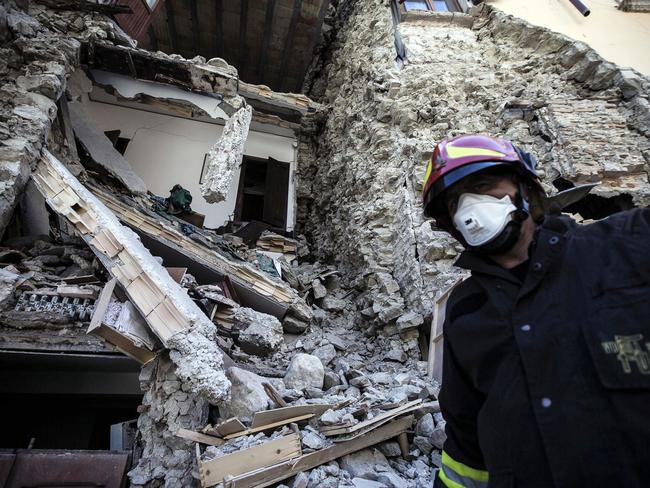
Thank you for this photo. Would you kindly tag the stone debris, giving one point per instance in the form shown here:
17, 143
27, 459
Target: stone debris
260, 334
247, 395
304, 371
352, 289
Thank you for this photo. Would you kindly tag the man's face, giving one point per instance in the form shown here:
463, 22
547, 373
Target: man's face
485, 183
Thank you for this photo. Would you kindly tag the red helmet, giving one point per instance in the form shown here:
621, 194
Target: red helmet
457, 158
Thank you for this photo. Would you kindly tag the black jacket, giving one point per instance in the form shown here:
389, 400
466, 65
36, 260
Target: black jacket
546, 383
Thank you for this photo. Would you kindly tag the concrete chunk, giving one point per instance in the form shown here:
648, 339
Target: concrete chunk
101, 150
225, 157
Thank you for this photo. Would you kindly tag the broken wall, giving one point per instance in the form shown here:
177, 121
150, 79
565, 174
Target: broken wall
166, 149
359, 188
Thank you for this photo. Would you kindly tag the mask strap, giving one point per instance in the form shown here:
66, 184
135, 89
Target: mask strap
522, 204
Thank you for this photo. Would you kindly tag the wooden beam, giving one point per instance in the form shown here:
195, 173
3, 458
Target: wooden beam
268, 28
190, 435
218, 29
309, 52
288, 44
243, 49
266, 417
153, 39
284, 470
434, 361
85, 6
194, 13
64, 117
171, 26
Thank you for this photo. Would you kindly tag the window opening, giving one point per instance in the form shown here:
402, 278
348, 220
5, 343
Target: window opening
119, 143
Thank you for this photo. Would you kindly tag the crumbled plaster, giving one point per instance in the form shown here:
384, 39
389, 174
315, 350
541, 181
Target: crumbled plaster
225, 157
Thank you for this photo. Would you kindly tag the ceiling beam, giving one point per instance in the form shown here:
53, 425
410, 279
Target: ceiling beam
171, 26
218, 30
268, 27
243, 49
194, 12
288, 44
314, 39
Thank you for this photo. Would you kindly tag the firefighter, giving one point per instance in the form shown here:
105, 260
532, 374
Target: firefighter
546, 366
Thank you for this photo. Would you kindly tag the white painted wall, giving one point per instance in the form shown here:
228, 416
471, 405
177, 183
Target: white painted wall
620, 37
165, 150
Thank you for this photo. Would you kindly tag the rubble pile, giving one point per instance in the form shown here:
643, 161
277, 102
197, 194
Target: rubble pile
292, 360
328, 416
48, 291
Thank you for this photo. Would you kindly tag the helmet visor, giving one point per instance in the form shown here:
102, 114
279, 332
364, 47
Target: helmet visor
455, 176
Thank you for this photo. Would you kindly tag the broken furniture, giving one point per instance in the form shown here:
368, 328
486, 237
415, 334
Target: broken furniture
281, 458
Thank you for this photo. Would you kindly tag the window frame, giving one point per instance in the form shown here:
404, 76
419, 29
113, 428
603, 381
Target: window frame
153, 7
452, 6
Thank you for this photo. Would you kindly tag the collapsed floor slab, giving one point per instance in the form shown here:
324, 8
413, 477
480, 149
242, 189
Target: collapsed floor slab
255, 288
166, 307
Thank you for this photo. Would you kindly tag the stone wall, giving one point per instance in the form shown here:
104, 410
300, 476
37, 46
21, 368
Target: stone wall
360, 176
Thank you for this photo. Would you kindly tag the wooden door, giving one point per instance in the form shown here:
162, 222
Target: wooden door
276, 195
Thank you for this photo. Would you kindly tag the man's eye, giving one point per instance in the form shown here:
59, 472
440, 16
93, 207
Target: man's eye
481, 187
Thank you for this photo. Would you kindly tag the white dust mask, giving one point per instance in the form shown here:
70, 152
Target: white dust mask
480, 218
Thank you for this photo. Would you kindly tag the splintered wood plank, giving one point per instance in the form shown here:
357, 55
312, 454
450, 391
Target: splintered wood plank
434, 361
230, 426
165, 320
263, 427
256, 457
276, 473
279, 414
274, 395
379, 418
190, 435
101, 305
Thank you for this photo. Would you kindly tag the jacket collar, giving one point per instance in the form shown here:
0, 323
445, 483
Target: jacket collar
479, 263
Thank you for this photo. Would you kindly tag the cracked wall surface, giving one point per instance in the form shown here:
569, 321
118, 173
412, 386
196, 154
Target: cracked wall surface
360, 176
